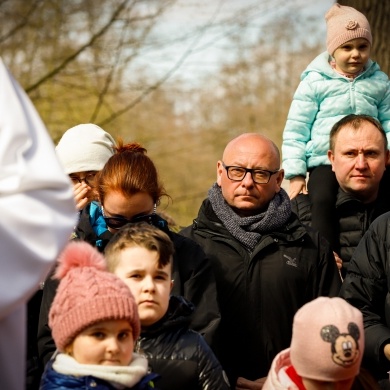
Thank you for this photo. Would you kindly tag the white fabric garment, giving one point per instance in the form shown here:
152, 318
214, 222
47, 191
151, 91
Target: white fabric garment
37, 214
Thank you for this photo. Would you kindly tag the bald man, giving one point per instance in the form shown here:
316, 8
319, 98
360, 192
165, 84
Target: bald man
266, 263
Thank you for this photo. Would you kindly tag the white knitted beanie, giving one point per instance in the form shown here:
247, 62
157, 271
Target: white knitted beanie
85, 147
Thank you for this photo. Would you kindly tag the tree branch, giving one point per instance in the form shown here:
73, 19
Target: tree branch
80, 50
163, 79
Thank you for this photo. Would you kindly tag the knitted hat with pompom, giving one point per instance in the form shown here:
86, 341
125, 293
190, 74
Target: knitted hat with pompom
87, 294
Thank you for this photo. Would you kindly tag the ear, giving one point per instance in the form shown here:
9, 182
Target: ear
331, 158
279, 179
329, 333
172, 283
387, 157
220, 170
353, 330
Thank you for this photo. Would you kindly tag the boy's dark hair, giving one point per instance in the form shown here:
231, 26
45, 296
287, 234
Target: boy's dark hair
355, 121
143, 235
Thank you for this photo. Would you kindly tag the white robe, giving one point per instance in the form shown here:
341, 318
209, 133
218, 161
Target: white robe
37, 214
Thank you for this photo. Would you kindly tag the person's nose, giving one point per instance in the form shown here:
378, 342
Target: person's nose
112, 344
355, 53
148, 284
248, 180
361, 161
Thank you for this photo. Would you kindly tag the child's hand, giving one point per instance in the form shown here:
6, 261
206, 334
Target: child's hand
297, 185
338, 259
80, 193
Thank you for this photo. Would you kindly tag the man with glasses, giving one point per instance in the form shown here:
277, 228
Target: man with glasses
266, 263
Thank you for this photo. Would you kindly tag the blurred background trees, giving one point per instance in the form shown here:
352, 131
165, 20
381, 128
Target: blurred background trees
143, 72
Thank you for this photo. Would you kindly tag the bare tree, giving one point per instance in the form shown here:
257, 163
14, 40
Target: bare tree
73, 57
91, 60
251, 94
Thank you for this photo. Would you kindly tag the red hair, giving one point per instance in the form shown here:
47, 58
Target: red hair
129, 171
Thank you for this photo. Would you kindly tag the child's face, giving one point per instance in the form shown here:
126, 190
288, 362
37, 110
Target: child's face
107, 343
352, 56
150, 285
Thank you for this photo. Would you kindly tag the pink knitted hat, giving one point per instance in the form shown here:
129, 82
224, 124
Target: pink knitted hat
328, 340
343, 24
87, 294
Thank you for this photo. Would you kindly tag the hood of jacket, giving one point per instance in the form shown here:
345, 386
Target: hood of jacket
320, 64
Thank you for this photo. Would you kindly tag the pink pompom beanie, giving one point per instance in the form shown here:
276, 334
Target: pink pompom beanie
328, 340
343, 24
87, 294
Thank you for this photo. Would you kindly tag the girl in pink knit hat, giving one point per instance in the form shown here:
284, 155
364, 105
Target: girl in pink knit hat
341, 81
95, 323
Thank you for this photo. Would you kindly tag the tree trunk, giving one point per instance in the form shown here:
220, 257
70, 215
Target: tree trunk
378, 15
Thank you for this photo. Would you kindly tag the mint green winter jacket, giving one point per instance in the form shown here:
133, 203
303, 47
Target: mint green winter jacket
322, 98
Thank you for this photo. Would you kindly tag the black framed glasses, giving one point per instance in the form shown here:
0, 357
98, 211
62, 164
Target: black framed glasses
87, 179
259, 176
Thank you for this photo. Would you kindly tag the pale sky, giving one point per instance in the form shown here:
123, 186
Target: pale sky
209, 48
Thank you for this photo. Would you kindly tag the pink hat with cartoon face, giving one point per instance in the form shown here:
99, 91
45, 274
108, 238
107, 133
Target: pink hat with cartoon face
328, 340
343, 24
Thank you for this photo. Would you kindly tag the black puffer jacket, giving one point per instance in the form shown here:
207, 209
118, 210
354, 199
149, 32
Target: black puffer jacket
367, 287
181, 356
260, 292
192, 273
354, 219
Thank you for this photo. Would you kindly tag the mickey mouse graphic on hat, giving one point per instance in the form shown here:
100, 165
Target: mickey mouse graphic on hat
326, 349
328, 340
344, 346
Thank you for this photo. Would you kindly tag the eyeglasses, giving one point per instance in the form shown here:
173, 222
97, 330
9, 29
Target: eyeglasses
88, 178
259, 176
118, 222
